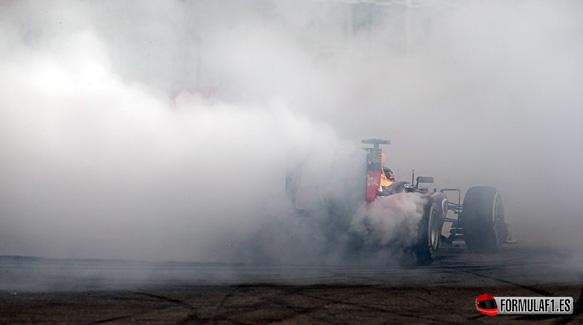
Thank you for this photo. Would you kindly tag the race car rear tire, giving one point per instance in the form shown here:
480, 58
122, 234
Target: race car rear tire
483, 219
429, 234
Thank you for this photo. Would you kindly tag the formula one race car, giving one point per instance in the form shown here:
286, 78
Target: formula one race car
479, 220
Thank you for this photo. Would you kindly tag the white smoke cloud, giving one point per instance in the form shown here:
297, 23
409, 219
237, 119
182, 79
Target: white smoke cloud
165, 131
391, 220
95, 166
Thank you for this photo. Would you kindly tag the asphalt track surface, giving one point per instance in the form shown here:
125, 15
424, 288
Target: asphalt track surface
37, 290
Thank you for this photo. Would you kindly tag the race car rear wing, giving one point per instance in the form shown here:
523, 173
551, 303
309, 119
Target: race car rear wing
376, 142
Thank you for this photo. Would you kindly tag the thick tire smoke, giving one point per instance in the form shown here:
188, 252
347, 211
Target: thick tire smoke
166, 131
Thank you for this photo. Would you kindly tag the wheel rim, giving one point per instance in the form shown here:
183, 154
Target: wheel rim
433, 230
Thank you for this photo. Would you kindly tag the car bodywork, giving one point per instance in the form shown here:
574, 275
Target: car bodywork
478, 220
443, 220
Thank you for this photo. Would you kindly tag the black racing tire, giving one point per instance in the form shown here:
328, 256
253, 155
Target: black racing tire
429, 233
483, 219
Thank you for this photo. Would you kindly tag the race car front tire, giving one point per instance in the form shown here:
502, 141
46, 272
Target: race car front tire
483, 219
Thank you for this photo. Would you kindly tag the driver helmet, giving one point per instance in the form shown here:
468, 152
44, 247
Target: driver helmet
389, 173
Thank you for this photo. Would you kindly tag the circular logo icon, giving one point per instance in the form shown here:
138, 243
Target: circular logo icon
486, 304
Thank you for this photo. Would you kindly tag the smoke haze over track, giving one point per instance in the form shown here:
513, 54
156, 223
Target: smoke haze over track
163, 131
